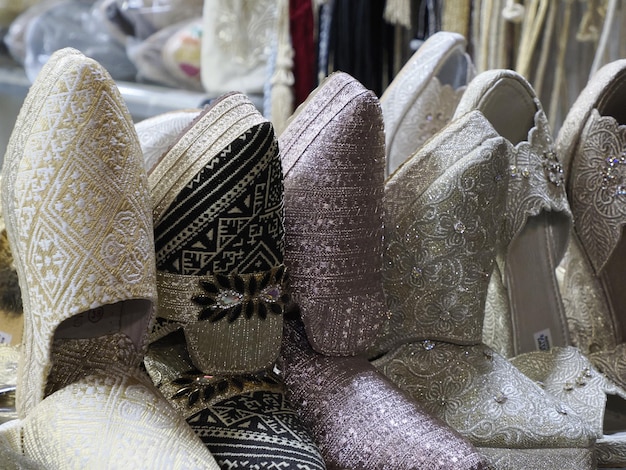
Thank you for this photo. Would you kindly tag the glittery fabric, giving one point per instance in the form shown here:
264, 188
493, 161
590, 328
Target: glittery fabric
442, 215
591, 143
570, 377
360, 420
537, 221
333, 156
416, 104
76, 208
532, 459
445, 208
218, 199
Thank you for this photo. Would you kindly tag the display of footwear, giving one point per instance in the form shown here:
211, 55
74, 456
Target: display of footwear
77, 211
423, 96
333, 161
537, 228
445, 210
591, 144
217, 192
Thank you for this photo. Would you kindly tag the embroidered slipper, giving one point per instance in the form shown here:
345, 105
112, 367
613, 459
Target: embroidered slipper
77, 211
218, 217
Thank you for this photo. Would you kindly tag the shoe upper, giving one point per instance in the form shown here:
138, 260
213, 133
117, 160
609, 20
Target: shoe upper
423, 96
333, 161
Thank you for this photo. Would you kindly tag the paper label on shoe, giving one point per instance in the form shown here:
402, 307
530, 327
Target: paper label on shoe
543, 340
5, 338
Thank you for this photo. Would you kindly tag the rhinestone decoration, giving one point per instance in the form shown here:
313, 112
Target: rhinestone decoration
249, 294
416, 273
568, 387
500, 398
526, 173
428, 345
553, 168
513, 171
611, 179
195, 385
560, 409
459, 227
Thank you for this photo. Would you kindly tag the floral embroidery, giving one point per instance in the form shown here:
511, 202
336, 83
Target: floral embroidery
228, 296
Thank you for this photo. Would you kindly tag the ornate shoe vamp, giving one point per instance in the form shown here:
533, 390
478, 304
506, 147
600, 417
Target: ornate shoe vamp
483, 397
598, 187
536, 180
126, 413
570, 377
244, 420
360, 420
428, 114
440, 249
220, 246
333, 157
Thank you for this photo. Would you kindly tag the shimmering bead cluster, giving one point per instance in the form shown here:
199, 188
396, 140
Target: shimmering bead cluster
611, 180
580, 381
553, 168
551, 165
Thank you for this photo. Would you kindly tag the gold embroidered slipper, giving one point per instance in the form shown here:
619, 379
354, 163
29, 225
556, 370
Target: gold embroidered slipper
333, 157
219, 239
77, 211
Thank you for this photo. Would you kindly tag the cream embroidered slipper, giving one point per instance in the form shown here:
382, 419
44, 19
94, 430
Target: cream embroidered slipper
77, 211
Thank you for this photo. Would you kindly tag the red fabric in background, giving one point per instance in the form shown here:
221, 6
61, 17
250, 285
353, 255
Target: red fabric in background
301, 29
